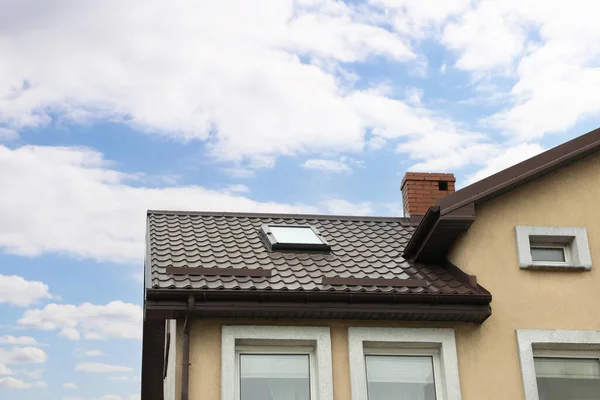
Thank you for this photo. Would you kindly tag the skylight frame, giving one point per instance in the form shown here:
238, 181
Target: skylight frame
273, 244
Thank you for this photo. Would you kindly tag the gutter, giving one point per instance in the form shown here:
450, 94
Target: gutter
185, 362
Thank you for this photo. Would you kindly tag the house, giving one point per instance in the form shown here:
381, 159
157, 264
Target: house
265, 306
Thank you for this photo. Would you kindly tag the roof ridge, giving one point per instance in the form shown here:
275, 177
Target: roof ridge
281, 215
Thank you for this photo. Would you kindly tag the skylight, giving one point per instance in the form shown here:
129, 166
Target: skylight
294, 237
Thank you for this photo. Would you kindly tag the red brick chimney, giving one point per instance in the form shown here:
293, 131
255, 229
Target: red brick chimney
421, 190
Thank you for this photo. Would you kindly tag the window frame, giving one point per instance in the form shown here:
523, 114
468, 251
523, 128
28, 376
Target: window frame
563, 247
573, 240
273, 244
251, 339
276, 350
552, 344
434, 354
440, 343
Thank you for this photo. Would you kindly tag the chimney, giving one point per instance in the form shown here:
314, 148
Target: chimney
420, 190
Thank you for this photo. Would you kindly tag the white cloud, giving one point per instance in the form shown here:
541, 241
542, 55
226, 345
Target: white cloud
14, 383
18, 340
4, 370
269, 104
548, 49
343, 207
7, 134
376, 143
89, 210
22, 355
488, 23
271, 84
114, 320
20, 292
35, 374
69, 385
506, 158
72, 398
111, 397
134, 397
414, 96
237, 188
333, 166
89, 353
101, 368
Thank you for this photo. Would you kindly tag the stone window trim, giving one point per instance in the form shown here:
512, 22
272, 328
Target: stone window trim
234, 336
438, 341
529, 340
574, 239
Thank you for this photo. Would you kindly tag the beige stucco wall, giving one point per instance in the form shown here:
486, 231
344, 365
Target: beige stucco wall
205, 347
487, 354
534, 299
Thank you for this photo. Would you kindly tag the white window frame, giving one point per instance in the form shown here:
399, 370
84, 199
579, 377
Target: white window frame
250, 339
440, 343
573, 240
542, 245
553, 344
253, 350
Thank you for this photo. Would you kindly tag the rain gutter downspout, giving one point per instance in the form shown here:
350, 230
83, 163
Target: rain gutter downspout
185, 362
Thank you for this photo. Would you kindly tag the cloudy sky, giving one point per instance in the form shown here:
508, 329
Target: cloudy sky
109, 108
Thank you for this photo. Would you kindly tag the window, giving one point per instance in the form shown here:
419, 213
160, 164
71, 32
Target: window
560, 364
273, 374
553, 254
294, 237
391, 376
403, 364
553, 247
275, 362
567, 377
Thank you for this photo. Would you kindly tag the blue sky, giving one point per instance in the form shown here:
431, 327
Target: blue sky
319, 106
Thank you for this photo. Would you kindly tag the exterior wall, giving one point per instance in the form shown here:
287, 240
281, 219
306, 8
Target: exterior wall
205, 347
527, 299
171, 376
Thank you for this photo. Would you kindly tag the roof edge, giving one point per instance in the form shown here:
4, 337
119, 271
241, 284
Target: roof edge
404, 220
460, 205
480, 297
523, 172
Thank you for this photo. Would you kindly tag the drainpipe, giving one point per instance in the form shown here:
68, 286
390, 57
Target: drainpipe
185, 362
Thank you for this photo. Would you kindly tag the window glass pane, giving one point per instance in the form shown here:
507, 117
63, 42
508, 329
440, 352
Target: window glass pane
274, 377
568, 378
400, 377
553, 254
295, 235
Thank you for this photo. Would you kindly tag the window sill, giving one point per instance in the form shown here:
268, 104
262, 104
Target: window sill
564, 267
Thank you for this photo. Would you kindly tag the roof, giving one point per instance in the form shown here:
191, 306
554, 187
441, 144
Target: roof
361, 247
211, 251
453, 214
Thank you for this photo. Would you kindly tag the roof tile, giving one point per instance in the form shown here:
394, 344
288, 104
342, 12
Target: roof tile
360, 247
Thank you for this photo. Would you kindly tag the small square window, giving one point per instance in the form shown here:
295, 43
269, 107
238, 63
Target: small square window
294, 237
554, 254
553, 247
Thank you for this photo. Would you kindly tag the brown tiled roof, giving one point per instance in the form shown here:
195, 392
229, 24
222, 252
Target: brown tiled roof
361, 247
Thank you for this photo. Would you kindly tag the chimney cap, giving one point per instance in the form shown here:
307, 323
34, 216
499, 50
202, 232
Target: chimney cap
427, 176
421, 190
